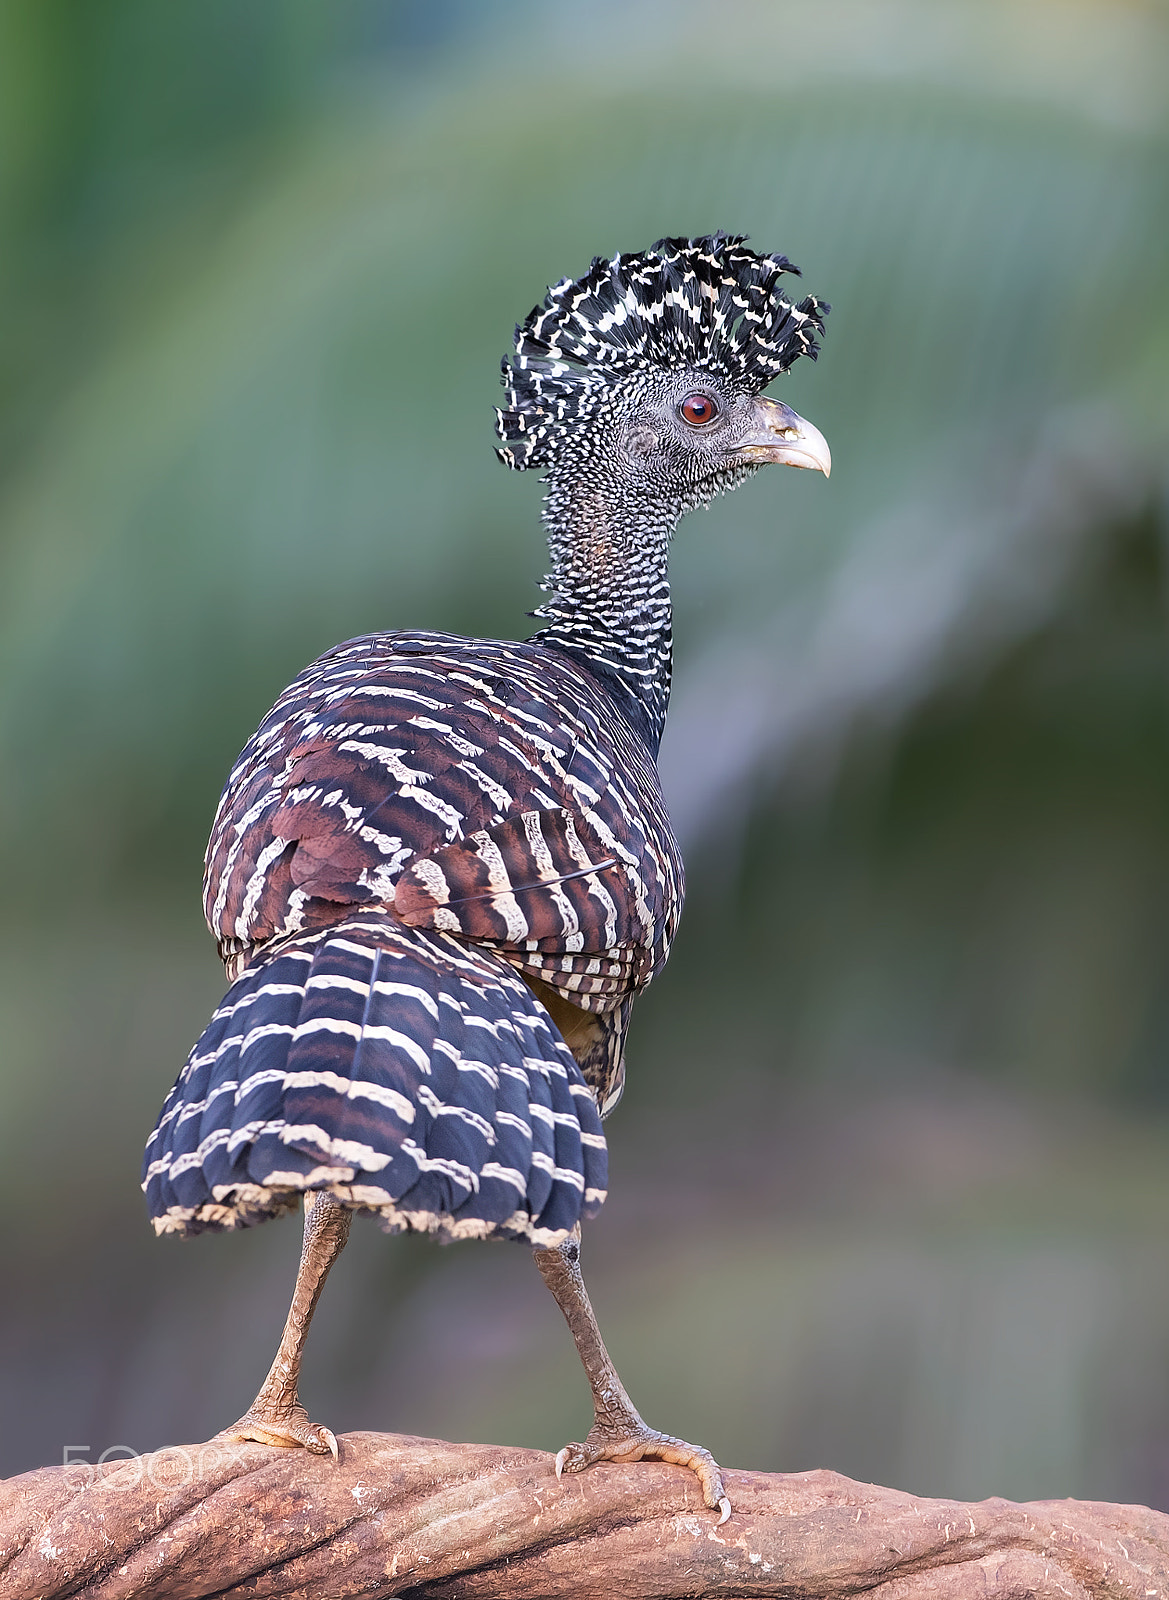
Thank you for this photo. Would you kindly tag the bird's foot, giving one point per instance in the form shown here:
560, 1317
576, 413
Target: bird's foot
287, 1426
636, 1441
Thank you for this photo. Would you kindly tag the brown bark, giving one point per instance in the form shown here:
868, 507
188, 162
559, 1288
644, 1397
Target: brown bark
403, 1516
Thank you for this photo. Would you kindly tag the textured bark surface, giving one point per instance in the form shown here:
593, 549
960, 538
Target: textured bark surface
404, 1516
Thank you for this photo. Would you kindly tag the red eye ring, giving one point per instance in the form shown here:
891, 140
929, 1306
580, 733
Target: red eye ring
698, 409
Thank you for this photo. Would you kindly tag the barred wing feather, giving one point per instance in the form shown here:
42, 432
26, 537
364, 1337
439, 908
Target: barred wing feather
485, 789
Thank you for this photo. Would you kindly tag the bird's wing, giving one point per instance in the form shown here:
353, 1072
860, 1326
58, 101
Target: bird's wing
537, 878
461, 796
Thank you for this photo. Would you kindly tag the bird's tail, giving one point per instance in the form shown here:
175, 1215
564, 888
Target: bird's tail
409, 1074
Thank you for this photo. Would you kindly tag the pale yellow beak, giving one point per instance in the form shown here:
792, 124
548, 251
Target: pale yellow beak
782, 435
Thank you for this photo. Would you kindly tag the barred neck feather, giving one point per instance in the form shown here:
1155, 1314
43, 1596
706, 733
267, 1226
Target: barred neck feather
609, 596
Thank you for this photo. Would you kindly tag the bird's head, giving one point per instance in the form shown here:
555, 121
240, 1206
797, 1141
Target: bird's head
645, 376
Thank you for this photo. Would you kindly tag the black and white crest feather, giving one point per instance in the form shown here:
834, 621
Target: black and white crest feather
706, 303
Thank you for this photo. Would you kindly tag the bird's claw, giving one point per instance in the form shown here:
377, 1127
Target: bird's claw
288, 1428
642, 1443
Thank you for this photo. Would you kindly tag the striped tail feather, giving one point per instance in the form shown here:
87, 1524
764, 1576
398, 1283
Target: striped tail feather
409, 1074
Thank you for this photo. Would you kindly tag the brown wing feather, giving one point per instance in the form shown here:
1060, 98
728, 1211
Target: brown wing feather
487, 789
543, 875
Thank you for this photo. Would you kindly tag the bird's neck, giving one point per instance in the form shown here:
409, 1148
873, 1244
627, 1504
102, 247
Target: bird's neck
609, 593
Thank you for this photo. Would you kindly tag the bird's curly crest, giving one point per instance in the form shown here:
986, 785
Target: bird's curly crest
708, 303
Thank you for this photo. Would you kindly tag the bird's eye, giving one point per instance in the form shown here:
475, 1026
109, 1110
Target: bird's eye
698, 409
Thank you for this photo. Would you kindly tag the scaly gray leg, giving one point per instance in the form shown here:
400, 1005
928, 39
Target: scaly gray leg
618, 1432
276, 1415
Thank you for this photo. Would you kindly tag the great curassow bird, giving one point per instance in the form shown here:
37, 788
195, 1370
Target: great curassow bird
442, 869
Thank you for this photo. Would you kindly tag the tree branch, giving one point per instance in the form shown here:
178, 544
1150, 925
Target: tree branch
404, 1516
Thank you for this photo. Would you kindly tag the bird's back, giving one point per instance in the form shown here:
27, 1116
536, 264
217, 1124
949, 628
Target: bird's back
485, 788
419, 823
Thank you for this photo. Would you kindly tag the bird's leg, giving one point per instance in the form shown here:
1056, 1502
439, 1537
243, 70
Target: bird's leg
618, 1432
276, 1415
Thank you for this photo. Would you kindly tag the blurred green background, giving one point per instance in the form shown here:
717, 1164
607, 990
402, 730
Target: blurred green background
890, 1186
